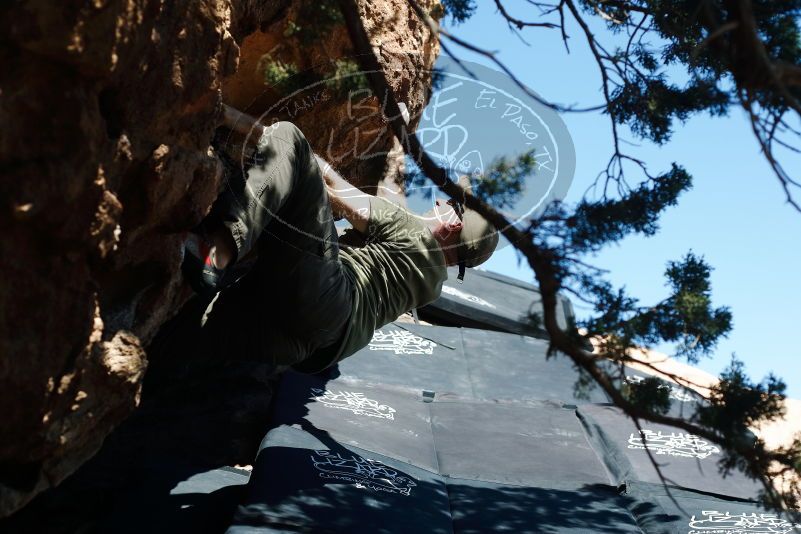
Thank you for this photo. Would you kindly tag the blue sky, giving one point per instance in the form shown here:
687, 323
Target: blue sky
735, 215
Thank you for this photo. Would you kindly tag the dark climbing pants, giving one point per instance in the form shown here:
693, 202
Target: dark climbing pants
296, 298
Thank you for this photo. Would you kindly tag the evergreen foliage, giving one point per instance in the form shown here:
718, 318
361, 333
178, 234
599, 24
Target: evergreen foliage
458, 10
346, 77
659, 63
313, 19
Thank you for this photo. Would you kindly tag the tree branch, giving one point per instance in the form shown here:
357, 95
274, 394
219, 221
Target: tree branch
521, 23
543, 261
437, 30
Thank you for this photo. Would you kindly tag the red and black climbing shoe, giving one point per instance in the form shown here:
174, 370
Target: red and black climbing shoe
199, 266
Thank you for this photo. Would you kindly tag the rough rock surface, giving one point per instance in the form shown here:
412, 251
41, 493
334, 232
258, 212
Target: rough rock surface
108, 109
344, 125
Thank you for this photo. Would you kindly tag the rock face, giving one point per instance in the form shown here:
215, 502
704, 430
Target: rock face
108, 109
337, 112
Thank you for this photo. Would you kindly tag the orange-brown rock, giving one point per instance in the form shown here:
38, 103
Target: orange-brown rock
108, 109
345, 127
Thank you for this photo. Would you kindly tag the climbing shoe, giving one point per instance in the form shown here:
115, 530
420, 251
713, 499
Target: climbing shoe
199, 266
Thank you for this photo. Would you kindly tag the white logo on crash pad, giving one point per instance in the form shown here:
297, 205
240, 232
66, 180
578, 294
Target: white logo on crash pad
353, 402
401, 342
714, 522
363, 472
458, 293
673, 444
676, 392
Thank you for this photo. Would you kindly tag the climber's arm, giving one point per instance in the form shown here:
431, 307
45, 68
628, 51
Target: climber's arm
346, 200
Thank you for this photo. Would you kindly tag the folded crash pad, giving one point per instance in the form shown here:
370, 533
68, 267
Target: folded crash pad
666, 511
499, 466
511, 366
467, 362
507, 442
308, 482
495, 302
479, 507
413, 356
685, 460
525, 444
385, 419
176, 498
351, 455
683, 401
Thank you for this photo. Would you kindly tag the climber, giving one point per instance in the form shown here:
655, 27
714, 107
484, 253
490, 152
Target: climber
269, 258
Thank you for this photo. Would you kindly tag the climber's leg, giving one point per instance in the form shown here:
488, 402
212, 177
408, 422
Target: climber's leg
297, 298
292, 303
284, 171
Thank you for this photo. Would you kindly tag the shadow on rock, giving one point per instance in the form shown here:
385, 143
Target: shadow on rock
197, 414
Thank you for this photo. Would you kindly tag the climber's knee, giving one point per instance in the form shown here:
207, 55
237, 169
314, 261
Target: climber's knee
282, 133
287, 130
284, 138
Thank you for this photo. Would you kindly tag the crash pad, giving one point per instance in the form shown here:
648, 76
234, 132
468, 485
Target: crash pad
309, 482
493, 301
385, 419
661, 510
683, 401
511, 366
685, 460
178, 498
418, 357
524, 444
467, 362
479, 507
